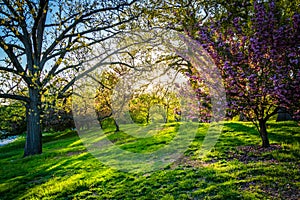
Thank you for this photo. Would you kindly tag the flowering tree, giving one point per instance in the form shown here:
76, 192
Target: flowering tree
260, 62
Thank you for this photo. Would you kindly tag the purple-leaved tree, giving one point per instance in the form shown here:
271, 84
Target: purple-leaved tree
260, 63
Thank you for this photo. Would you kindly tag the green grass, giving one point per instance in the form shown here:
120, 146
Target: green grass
66, 170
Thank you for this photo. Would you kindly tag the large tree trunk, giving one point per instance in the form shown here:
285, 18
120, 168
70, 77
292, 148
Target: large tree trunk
33, 143
263, 133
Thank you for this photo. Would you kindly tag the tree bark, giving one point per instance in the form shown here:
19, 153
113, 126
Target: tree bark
33, 144
117, 126
263, 133
283, 115
100, 123
167, 116
148, 117
242, 117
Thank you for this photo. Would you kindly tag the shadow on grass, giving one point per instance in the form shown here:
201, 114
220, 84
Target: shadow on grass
278, 132
19, 174
66, 171
237, 134
58, 174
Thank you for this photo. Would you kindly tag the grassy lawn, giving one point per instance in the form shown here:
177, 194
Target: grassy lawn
236, 168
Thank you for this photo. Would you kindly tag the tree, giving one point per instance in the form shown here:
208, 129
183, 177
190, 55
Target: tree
43, 39
169, 101
58, 117
140, 107
12, 118
201, 111
107, 80
259, 60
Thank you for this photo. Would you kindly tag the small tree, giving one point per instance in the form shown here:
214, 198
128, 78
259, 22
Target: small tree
140, 106
58, 117
107, 80
260, 62
12, 118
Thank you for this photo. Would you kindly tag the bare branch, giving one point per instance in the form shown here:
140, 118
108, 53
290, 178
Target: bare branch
99, 82
100, 63
9, 51
15, 97
6, 69
64, 34
38, 29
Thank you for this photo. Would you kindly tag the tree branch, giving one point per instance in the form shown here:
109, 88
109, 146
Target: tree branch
38, 29
6, 69
100, 63
64, 34
9, 51
15, 97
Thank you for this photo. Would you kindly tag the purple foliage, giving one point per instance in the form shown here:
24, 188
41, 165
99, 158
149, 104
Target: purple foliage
260, 63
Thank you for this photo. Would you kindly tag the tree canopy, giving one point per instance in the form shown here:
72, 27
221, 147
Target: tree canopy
44, 44
259, 61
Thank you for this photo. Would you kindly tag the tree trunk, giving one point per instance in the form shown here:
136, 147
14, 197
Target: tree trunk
117, 126
100, 123
242, 117
263, 133
33, 143
283, 115
167, 116
148, 117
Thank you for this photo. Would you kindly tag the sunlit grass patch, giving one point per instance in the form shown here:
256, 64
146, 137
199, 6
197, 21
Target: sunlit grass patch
66, 170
